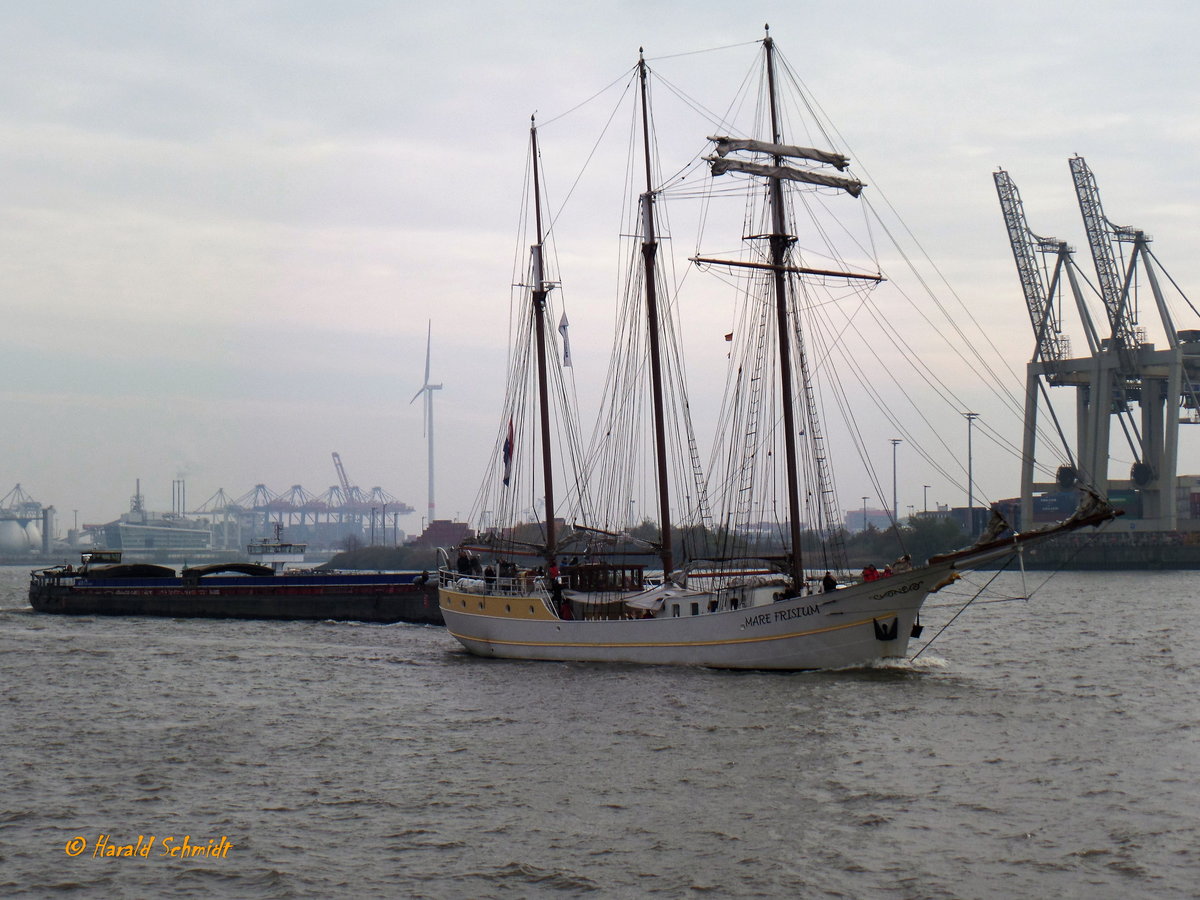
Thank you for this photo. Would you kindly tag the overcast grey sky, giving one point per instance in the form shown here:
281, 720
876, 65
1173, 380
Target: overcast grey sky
224, 226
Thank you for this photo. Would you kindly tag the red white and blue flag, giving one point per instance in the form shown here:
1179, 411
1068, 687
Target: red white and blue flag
508, 453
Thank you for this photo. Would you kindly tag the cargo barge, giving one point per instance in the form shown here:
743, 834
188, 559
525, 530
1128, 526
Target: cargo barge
103, 585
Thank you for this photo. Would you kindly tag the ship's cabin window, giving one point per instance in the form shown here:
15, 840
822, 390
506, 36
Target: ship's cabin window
695, 609
601, 577
675, 609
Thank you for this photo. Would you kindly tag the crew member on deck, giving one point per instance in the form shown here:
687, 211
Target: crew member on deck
564, 605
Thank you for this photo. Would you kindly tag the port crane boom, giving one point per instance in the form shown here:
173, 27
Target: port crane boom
1102, 236
1052, 345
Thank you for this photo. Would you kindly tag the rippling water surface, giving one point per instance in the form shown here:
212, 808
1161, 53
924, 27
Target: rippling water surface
1039, 748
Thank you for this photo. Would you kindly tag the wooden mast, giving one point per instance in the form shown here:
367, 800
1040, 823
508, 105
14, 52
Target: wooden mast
540, 290
780, 240
649, 254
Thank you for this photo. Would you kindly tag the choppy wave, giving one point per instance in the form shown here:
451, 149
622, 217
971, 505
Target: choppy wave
1028, 756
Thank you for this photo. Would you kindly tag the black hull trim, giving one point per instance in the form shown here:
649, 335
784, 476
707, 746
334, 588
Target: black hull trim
382, 604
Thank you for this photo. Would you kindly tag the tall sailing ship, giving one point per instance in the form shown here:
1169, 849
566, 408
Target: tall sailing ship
586, 586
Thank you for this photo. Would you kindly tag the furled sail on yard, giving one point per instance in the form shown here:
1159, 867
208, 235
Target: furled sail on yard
726, 145
722, 165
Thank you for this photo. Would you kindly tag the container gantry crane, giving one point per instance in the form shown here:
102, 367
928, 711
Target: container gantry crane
1121, 367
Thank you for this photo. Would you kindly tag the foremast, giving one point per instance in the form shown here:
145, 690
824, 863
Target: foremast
540, 289
649, 260
780, 240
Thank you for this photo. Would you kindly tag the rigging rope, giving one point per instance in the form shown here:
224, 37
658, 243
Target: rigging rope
961, 610
1028, 594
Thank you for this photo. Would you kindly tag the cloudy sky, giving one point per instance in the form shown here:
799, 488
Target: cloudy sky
225, 225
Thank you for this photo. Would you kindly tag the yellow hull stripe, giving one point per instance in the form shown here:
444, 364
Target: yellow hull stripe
510, 607
623, 644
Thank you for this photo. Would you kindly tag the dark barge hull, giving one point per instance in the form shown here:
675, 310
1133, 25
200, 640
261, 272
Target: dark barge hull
376, 597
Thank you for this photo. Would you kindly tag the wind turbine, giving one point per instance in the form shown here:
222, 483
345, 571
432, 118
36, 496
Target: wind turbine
427, 389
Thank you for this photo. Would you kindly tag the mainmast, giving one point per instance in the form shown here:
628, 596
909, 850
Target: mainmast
649, 254
780, 240
540, 290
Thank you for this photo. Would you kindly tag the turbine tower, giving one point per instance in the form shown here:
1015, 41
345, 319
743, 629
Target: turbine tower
427, 389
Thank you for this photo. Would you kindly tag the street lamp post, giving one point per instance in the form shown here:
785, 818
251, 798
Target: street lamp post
970, 417
926, 487
895, 509
864, 528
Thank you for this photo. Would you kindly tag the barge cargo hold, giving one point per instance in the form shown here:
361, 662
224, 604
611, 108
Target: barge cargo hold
104, 586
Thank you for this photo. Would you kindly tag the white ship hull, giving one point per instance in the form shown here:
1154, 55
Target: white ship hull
852, 626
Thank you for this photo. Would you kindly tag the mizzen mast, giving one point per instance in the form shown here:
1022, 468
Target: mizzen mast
649, 257
540, 290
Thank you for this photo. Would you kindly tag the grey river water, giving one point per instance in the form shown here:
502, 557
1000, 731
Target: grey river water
1040, 748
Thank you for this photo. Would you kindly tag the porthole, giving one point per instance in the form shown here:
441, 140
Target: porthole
531, 610
507, 608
